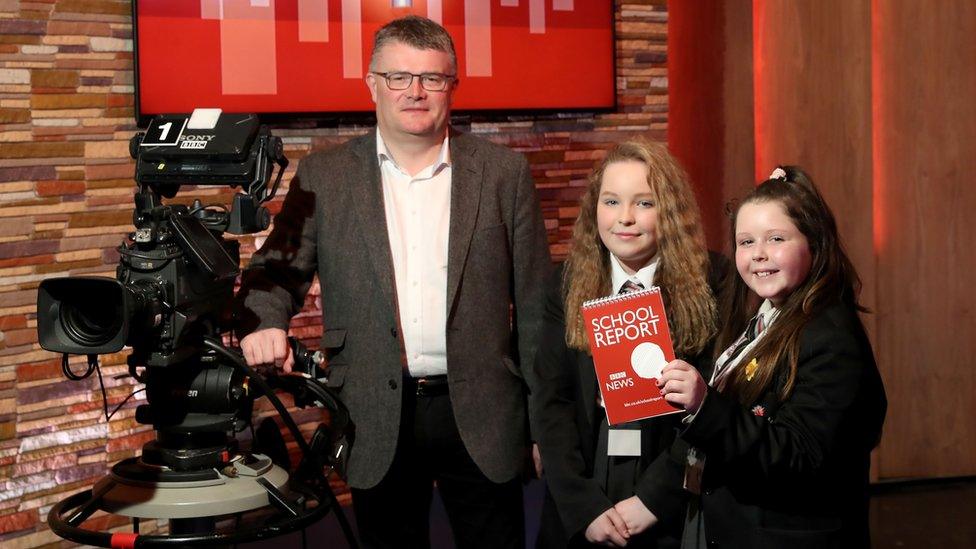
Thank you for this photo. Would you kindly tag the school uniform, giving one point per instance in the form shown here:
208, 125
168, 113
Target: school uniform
792, 474
582, 480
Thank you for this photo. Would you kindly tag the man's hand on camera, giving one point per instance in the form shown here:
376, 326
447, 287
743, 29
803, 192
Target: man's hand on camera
268, 346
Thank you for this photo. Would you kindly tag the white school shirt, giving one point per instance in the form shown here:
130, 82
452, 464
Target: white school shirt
769, 313
645, 276
418, 215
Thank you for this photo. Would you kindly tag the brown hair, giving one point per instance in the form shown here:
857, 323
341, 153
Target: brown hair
415, 31
832, 278
683, 270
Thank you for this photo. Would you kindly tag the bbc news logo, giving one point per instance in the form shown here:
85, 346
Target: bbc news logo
194, 141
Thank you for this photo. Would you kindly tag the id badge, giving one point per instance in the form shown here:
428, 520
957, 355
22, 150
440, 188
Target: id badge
694, 467
623, 442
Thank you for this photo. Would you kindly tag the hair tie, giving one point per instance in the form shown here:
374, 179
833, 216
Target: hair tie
778, 173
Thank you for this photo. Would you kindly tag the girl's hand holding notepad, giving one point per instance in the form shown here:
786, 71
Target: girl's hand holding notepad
682, 386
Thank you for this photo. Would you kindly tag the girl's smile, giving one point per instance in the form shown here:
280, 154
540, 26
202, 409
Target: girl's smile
626, 214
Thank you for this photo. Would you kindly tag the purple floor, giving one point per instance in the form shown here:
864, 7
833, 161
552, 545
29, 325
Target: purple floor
903, 516
440, 531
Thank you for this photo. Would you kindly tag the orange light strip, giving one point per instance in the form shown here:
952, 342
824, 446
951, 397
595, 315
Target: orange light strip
758, 21
878, 167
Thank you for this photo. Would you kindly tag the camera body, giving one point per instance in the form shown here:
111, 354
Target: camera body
162, 301
174, 284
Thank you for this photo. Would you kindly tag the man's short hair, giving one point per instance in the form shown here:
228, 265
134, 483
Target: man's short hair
415, 31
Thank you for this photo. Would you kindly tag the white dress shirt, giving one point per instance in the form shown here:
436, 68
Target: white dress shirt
418, 214
619, 277
723, 365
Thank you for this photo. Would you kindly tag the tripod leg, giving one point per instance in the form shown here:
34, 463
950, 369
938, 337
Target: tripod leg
277, 498
341, 517
86, 509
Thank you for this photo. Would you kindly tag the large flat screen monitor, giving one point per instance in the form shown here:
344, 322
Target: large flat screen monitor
311, 56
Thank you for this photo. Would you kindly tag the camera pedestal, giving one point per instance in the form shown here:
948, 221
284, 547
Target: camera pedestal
135, 489
192, 501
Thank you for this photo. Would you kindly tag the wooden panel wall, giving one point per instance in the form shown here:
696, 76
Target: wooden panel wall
813, 108
710, 89
925, 143
739, 102
875, 98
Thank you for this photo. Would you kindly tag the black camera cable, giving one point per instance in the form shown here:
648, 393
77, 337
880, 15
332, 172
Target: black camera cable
93, 366
265, 389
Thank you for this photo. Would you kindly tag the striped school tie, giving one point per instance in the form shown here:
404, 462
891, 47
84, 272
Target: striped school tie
630, 286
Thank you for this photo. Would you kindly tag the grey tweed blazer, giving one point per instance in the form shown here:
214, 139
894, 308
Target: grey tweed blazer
333, 224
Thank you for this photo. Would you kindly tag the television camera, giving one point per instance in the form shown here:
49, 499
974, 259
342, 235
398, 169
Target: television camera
170, 302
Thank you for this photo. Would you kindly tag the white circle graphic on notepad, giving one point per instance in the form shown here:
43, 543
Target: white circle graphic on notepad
648, 360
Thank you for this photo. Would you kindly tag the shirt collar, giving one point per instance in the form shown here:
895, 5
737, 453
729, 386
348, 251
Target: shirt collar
383, 154
769, 312
618, 277
726, 363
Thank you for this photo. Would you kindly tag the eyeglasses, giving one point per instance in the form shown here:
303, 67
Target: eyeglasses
431, 81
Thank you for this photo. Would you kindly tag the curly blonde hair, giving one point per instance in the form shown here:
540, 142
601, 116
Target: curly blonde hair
682, 273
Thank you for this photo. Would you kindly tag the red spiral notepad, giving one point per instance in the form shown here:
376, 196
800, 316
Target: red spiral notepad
631, 343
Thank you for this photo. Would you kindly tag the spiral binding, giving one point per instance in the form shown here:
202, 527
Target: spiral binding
619, 297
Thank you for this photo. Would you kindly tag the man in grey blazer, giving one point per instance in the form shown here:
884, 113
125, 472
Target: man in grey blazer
432, 255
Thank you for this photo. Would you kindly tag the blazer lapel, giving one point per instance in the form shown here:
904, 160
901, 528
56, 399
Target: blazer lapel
466, 177
588, 386
371, 206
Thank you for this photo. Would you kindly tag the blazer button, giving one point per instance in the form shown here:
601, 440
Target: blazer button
393, 331
392, 383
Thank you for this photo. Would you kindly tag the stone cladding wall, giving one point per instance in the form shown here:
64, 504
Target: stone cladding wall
66, 116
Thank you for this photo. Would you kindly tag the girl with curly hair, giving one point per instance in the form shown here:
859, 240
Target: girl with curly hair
638, 226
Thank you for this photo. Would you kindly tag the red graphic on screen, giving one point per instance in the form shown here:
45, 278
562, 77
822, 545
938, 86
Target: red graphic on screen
279, 56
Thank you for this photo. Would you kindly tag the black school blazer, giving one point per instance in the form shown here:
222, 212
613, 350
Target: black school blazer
795, 473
